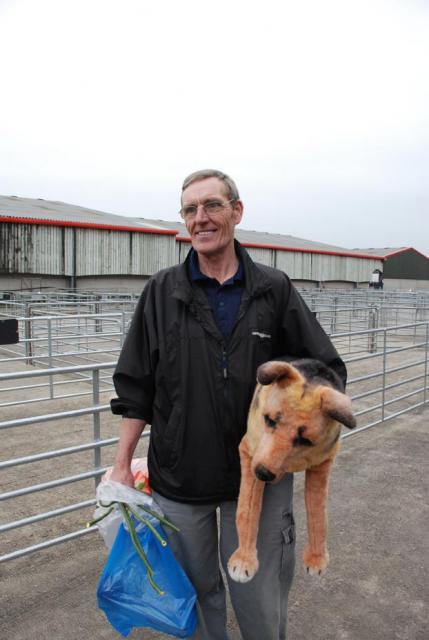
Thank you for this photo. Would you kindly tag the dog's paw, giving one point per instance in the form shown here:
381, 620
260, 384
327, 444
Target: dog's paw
315, 563
242, 566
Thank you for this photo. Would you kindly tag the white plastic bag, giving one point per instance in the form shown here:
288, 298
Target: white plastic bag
110, 492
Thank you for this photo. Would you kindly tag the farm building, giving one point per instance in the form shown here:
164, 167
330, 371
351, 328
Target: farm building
404, 268
53, 244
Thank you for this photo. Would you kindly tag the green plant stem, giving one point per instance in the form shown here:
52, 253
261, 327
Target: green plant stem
159, 517
95, 520
138, 547
108, 504
148, 524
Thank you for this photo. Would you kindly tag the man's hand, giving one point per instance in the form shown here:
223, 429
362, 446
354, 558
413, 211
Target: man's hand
123, 475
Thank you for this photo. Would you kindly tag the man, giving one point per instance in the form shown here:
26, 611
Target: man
188, 368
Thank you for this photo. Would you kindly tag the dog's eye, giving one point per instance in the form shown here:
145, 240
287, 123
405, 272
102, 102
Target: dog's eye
269, 421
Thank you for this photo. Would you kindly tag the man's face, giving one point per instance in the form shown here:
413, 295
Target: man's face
211, 233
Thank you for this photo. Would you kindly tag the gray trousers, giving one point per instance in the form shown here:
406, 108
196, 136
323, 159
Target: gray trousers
260, 605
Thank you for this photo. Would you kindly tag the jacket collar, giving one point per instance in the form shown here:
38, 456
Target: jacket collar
255, 281
197, 275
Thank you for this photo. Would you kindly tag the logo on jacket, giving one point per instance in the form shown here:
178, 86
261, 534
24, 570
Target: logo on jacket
261, 335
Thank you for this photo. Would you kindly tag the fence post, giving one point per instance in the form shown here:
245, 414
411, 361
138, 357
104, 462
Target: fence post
372, 324
383, 391
51, 380
28, 335
96, 420
416, 319
97, 311
123, 327
425, 379
334, 319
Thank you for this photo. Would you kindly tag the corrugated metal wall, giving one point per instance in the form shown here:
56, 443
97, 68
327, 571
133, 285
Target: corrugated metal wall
50, 250
123, 252
321, 267
296, 264
29, 248
151, 252
102, 252
182, 249
264, 256
69, 243
46, 249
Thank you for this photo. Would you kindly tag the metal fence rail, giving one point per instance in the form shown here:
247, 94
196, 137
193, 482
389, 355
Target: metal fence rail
60, 327
45, 339
388, 376
46, 301
388, 371
95, 445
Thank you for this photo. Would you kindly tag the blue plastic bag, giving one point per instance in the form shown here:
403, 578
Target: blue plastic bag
128, 599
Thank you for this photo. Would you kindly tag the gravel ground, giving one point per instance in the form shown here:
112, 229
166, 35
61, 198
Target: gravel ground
376, 587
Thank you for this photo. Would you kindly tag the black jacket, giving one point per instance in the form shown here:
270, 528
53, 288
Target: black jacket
176, 373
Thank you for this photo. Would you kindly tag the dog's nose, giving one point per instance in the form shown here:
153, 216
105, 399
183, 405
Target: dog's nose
264, 474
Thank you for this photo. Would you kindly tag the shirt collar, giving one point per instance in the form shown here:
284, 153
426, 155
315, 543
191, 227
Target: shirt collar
196, 274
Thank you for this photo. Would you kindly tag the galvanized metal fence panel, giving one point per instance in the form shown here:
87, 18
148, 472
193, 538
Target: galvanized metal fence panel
94, 410
51, 410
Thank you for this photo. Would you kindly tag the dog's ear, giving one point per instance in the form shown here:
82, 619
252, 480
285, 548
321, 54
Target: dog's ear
338, 406
281, 372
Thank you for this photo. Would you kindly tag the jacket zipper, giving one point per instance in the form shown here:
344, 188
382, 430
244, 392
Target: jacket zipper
224, 362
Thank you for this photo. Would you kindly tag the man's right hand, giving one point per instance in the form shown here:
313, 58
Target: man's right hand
123, 475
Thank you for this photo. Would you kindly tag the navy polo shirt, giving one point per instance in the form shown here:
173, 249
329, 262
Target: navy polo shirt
224, 299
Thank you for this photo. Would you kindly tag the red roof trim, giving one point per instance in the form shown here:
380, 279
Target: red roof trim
86, 225
298, 249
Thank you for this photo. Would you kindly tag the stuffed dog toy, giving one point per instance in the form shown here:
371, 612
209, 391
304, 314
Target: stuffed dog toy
293, 425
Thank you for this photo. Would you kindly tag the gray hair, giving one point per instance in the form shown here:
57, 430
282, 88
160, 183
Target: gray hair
213, 173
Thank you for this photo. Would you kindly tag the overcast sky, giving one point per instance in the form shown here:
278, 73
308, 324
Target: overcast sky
319, 109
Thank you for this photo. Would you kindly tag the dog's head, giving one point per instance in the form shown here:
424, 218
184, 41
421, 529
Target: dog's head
296, 421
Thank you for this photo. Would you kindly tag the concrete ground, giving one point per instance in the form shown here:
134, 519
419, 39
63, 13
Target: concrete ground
376, 587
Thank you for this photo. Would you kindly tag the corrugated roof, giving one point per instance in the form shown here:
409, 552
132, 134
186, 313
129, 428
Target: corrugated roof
53, 211
383, 251
388, 252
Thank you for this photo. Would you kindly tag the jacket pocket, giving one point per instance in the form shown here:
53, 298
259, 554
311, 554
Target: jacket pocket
288, 550
167, 437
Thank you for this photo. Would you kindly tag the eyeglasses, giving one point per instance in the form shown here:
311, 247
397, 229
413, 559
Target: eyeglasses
211, 207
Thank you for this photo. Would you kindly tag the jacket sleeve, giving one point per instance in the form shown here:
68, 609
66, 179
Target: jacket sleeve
134, 375
303, 337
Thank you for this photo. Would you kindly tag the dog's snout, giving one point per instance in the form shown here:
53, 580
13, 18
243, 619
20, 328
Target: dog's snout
264, 474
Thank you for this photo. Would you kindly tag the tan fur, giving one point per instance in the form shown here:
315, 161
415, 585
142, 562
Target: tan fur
297, 407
